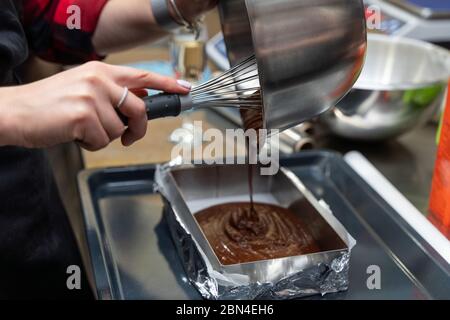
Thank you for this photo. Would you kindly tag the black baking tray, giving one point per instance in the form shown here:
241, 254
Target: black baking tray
133, 256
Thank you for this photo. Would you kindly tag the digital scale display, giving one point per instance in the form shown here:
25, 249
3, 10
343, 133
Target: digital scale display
434, 5
427, 20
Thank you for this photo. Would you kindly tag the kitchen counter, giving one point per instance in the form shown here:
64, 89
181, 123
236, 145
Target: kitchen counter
156, 146
407, 162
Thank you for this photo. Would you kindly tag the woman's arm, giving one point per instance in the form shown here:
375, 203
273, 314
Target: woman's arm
124, 24
49, 30
78, 105
105, 26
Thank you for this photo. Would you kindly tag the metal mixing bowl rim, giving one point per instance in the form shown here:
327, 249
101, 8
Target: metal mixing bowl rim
408, 85
398, 87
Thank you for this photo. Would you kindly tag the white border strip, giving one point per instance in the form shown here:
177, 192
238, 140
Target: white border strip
399, 203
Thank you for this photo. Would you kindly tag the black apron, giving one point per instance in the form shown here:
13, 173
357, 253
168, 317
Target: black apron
36, 241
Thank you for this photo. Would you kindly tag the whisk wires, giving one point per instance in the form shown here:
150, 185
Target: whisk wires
236, 88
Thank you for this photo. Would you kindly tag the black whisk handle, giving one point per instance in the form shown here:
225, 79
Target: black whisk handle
162, 105
159, 106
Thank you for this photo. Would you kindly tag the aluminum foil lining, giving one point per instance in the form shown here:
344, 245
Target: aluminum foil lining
285, 278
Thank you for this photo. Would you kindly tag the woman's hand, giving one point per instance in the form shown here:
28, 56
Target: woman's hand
79, 105
190, 9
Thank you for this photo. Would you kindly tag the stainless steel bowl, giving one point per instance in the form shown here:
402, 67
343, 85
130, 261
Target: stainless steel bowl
309, 52
402, 85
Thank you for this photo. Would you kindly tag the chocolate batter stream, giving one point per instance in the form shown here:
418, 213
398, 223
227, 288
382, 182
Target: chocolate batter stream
250, 186
252, 119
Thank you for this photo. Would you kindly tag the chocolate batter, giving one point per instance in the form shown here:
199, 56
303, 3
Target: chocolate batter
238, 234
253, 118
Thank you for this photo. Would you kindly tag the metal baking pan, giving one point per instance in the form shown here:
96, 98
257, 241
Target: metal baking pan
190, 189
133, 256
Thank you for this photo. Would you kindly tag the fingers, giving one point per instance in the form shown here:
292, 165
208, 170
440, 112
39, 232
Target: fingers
110, 121
134, 109
93, 137
134, 78
141, 93
110, 81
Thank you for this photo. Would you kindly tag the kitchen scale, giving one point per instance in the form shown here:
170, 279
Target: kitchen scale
427, 20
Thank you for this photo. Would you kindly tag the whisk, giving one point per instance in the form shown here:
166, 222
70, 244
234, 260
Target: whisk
236, 88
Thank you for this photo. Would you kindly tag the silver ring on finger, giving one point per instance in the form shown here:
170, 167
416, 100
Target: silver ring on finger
123, 98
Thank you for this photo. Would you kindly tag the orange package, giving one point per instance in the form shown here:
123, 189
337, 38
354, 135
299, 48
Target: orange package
440, 190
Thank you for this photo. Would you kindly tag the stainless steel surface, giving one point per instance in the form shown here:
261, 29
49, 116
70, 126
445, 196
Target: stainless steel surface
297, 140
407, 162
133, 256
394, 63
309, 52
189, 190
402, 85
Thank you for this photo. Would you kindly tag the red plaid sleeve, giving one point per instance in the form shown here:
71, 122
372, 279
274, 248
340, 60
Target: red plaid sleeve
47, 24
